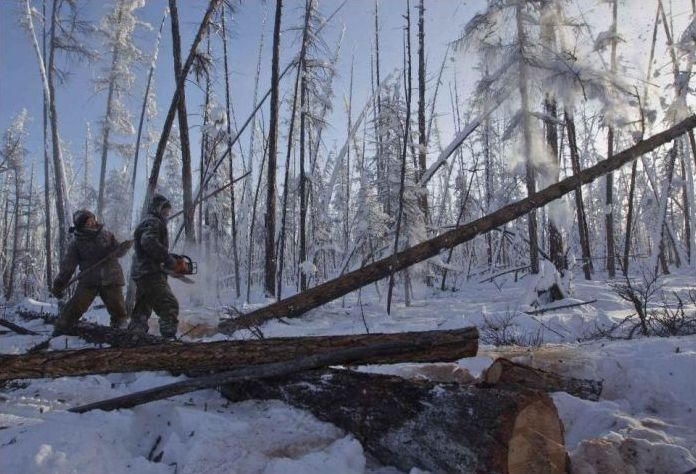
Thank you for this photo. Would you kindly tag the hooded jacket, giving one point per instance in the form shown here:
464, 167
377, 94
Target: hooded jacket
152, 241
87, 247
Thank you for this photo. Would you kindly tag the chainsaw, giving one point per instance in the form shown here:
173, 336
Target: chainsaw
185, 266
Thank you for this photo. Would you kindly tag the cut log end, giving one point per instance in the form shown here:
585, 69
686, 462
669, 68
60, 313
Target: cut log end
536, 443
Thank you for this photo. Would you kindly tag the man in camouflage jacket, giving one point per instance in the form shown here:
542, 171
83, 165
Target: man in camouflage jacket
152, 262
90, 244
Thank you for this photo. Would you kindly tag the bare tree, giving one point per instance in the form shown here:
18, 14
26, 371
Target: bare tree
233, 212
186, 179
609, 183
270, 266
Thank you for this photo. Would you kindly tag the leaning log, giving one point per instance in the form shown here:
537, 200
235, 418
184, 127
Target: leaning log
507, 374
434, 427
302, 302
349, 355
428, 346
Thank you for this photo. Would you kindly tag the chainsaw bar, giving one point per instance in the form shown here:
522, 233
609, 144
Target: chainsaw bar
181, 278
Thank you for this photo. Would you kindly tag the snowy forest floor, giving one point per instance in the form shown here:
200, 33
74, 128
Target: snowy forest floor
645, 421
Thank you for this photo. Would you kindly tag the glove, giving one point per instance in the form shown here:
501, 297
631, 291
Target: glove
180, 266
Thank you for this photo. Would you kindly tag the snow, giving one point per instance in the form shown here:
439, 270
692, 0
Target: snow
644, 422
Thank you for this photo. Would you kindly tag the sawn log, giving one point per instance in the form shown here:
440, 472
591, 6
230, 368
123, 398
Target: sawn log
504, 373
428, 346
441, 428
314, 297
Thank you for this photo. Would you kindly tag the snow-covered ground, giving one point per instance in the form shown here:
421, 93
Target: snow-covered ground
645, 421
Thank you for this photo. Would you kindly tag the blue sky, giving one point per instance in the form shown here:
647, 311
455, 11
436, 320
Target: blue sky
78, 103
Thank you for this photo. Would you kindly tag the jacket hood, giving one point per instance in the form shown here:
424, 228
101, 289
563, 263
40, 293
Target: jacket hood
157, 203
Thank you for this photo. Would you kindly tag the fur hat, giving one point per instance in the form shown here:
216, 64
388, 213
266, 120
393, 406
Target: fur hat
80, 217
157, 203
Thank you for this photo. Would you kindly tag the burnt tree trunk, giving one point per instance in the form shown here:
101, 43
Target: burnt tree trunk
422, 136
169, 119
429, 346
233, 205
579, 203
47, 172
555, 237
314, 297
443, 427
269, 219
186, 179
609, 199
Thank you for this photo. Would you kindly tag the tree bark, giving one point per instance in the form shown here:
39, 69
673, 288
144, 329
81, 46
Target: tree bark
428, 346
527, 139
233, 210
555, 237
406, 139
291, 136
47, 173
504, 373
579, 202
330, 290
269, 218
422, 136
186, 179
107, 121
629, 218
609, 185
143, 110
437, 427
169, 120
62, 207
335, 357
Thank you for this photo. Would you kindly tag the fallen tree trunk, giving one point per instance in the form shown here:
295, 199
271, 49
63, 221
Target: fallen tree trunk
97, 334
349, 355
565, 306
435, 427
504, 373
302, 302
429, 346
17, 328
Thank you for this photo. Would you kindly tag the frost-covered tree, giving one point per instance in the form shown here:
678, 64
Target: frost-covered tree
522, 43
117, 29
13, 154
66, 34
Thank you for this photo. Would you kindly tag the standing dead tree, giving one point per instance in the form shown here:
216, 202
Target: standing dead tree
180, 75
169, 120
328, 291
269, 218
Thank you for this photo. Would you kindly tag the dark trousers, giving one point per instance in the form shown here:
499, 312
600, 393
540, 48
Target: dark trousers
153, 293
111, 295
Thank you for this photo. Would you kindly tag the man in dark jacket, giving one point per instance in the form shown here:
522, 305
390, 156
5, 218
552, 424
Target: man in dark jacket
152, 262
90, 244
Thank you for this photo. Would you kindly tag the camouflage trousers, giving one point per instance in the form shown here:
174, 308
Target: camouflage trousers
111, 295
153, 292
